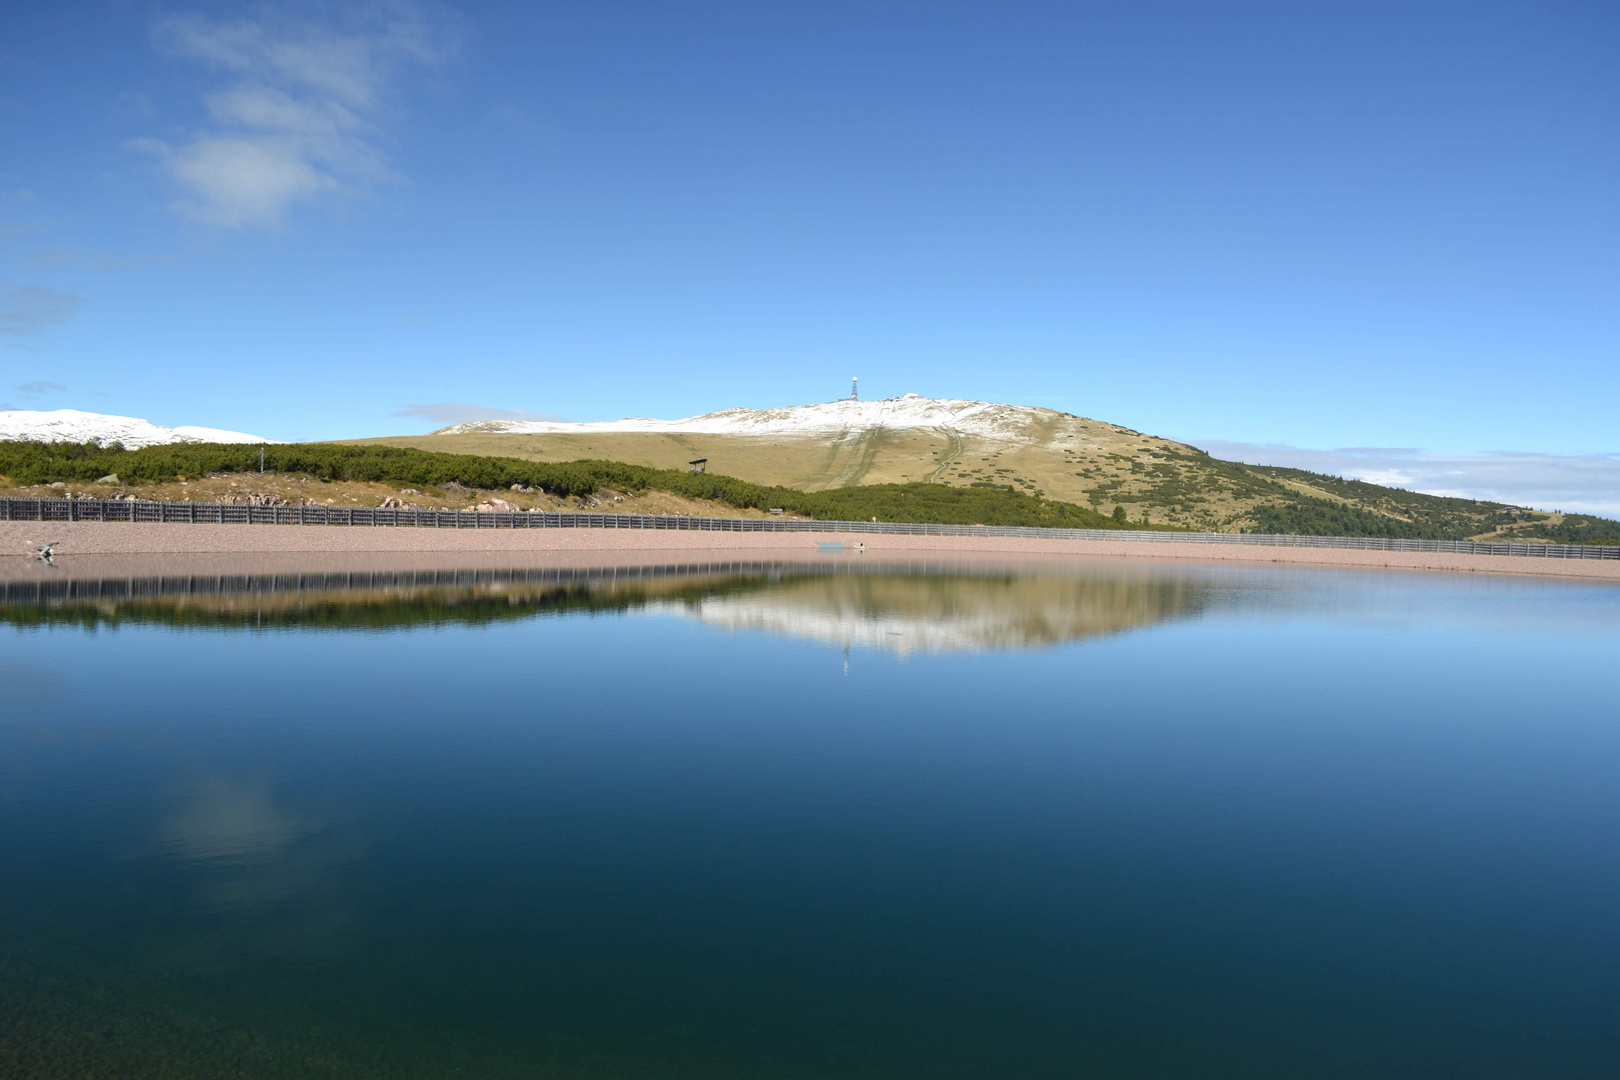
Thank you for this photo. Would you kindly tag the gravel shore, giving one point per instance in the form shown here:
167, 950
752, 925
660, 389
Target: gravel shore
600, 546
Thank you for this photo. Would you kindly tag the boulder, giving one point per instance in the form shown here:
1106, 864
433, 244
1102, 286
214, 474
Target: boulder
110, 478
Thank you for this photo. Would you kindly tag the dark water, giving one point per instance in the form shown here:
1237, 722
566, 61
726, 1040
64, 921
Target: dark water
1121, 821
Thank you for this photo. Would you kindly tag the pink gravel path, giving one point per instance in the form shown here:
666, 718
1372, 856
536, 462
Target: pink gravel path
593, 545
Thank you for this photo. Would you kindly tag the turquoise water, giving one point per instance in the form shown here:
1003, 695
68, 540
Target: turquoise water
1123, 820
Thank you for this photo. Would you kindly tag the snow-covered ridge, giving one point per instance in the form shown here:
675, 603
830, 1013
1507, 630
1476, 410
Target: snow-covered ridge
71, 425
836, 625
977, 622
830, 418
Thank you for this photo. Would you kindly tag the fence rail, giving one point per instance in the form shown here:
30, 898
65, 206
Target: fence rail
57, 590
130, 510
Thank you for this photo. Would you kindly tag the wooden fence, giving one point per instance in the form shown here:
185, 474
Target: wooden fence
57, 590
130, 510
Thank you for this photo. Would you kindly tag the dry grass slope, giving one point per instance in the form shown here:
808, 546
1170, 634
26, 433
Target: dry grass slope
1058, 456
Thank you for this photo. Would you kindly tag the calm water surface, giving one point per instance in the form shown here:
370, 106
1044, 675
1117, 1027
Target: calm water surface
814, 821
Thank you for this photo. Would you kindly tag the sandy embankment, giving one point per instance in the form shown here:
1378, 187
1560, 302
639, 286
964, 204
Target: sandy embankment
598, 546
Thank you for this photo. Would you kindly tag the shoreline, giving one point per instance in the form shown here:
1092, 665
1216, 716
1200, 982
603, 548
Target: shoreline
604, 546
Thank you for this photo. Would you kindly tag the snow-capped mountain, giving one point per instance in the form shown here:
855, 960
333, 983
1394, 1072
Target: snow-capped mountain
72, 425
981, 418
909, 614
970, 631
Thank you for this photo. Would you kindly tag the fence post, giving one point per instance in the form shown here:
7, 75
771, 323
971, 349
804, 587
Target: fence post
135, 510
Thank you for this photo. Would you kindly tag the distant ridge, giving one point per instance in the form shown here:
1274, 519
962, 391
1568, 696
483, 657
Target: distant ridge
1113, 470
71, 425
981, 418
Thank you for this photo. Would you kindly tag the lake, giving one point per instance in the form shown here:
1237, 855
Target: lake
826, 818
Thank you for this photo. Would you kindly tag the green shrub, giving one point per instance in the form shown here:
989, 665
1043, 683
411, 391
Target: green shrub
40, 463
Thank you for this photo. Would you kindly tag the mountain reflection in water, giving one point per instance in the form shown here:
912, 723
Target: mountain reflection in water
900, 607
317, 817
965, 613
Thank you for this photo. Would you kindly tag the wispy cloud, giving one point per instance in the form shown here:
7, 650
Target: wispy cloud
97, 261
460, 412
1583, 483
297, 114
232, 822
32, 390
32, 309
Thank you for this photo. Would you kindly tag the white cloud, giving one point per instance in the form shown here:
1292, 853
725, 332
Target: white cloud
301, 113
231, 822
95, 260
246, 180
31, 309
1580, 483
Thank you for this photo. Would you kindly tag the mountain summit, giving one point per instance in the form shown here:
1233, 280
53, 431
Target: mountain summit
71, 425
1041, 452
981, 418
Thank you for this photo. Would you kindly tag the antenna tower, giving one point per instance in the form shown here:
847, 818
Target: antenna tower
855, 388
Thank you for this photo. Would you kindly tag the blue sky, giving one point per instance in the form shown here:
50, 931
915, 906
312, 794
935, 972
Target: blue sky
1311, 226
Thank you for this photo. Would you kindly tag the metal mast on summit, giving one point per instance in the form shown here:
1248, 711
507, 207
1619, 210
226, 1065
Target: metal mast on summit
855, 388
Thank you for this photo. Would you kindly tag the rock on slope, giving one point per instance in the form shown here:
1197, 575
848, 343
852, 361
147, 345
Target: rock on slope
71, 425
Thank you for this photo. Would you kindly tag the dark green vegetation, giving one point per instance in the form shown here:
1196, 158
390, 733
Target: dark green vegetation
1574, 529
1177, 485
1305, 515
1369, 508
1405, 514
1267, 499
38, 463
342, 612
380, 610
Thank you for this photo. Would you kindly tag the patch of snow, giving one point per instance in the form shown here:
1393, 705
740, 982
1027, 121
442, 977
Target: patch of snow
191, 433
833, 418
72, 425
834, 625
972, 624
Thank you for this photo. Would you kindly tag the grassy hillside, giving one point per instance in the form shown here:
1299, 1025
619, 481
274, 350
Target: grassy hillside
1571, 529
38, 463
1168, 486
1054, 456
